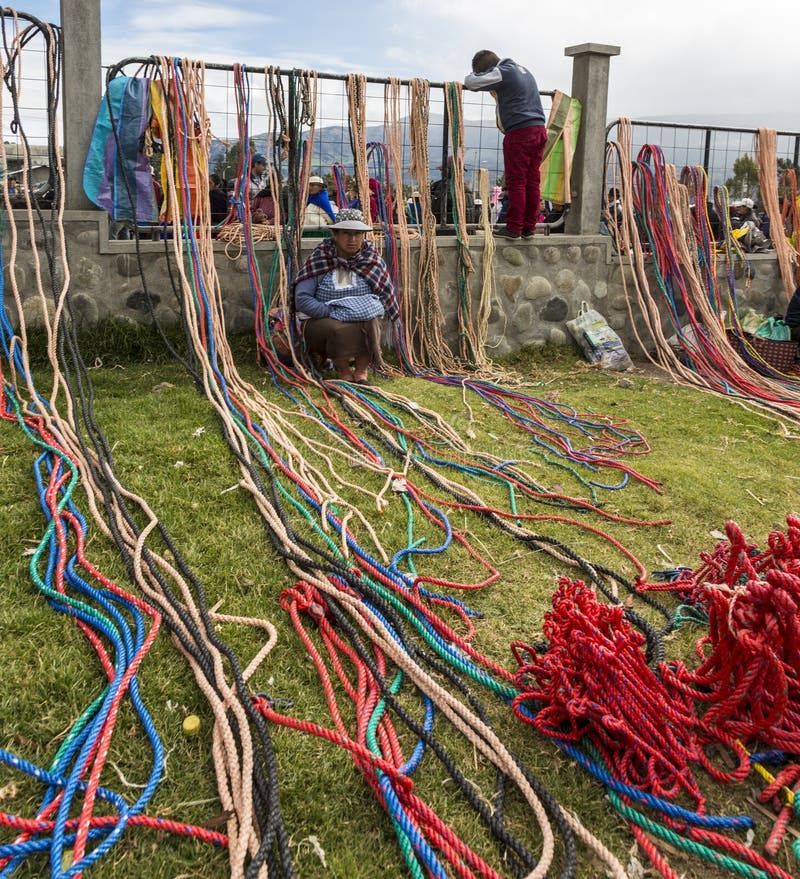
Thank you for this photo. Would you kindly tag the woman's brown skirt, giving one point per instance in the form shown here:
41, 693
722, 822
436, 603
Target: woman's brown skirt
337, 340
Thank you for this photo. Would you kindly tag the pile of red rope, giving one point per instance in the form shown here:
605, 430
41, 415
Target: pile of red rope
593, 682
750, 672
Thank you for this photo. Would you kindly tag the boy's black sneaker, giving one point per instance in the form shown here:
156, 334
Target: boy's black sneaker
504, 233
527, 234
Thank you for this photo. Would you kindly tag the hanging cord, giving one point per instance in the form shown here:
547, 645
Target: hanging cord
654, 202
766, 153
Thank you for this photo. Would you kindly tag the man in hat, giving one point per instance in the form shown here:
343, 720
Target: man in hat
341, 293
520, 116
258, 175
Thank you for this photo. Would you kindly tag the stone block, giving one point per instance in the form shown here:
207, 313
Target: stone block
617, 321
523, 317
88, 238
538, 287
239, 319
565, 280
167, 316
591, 253
496, 313
555, 310
497, 346
600, 290
510, 285
137, 301
87, 275
573, 253
84, 309
557, 336
513, 256
552, 255
32, 312
618, 302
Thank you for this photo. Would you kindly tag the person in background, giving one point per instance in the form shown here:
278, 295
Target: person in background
263, 206
521, 118
319, 210
374, 190
258, 175
792, 318
217, 198
746, 226
341, 293
502, 203
414, 211
440, 190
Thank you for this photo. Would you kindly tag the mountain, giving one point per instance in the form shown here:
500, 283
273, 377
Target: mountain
482, 148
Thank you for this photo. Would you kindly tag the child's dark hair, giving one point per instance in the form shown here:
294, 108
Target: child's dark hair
484, 60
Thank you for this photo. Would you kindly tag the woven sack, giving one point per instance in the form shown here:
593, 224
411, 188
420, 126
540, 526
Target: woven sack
779, 355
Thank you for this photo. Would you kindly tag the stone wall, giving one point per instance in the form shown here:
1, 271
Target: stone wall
539, 284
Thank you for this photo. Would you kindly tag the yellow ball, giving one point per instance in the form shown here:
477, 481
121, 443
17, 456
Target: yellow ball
191, 725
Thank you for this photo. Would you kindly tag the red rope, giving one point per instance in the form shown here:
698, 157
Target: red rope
749, 676
593, 681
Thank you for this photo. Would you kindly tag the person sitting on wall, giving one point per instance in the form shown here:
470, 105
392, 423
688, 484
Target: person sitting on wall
258, 175
319, 210
746, 227
262, 207
341, 293
217, 198
441, 187
414, 212
374, 190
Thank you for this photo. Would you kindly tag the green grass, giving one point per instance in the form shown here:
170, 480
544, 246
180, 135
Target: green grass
715, 461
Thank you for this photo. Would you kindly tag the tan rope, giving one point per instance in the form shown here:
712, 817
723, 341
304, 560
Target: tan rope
766, 154
636, 287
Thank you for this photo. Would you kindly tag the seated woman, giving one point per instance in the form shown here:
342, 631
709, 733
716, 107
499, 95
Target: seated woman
340, 295
319, 211
262, 207
217, 199
374, 206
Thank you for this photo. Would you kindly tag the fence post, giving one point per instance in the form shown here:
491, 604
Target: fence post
81, 81
590, 87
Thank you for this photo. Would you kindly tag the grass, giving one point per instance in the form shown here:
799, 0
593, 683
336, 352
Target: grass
715, 460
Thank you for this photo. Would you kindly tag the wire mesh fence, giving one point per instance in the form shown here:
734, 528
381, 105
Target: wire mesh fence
715, 148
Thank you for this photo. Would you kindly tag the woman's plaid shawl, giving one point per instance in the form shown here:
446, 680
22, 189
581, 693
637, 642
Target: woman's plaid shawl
366, 263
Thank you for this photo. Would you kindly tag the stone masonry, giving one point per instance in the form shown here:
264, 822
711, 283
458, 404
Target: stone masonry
538, 285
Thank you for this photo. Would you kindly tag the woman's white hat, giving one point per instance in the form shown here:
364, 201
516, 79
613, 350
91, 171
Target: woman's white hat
350, 218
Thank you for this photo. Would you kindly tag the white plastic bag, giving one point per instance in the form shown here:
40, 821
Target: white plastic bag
599, 343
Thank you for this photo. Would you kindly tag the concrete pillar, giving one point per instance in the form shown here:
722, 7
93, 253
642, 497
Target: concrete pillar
590, 87
82, 76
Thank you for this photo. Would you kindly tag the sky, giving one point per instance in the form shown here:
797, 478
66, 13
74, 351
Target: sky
678, 60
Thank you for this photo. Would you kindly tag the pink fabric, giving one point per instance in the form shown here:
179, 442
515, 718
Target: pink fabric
523, 149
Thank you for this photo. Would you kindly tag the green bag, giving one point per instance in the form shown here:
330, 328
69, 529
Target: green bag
774, 328
750, 320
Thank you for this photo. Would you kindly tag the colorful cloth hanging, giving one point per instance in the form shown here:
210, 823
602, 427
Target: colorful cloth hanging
117, 175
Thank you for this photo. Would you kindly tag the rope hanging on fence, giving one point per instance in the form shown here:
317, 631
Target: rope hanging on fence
653, 201
766, 153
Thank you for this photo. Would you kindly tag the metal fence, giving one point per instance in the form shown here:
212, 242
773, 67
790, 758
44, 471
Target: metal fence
715, 148
332, 141
29, 124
